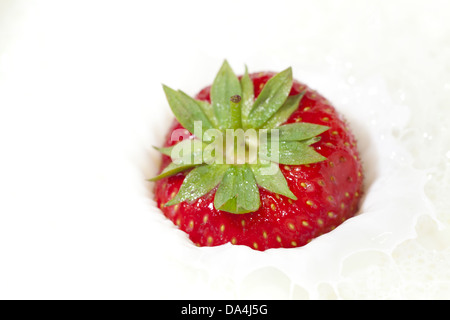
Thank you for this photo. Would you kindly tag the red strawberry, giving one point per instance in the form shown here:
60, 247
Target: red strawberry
262, 212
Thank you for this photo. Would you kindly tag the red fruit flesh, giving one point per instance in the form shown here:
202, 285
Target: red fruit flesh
328, 192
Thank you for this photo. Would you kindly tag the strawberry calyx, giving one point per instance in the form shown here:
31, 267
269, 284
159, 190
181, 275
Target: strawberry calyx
239, 141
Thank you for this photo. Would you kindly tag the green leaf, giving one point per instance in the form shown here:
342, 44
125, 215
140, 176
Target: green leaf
199, 182
164, 150
225, 85
248, 97
300, 131
172, 169
209, 112
271, 178
188, 150
238, 191
271, 98
185, 155
286, 110
186, 109
290, 152
311, 141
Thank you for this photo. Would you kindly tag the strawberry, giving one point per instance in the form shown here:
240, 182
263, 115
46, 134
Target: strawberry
305, 180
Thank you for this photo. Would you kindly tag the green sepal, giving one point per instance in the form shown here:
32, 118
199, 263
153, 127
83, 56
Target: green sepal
287, 109
209, 112
186, 110
248, 97
225, 85
312, 140
185, 155
271, 98
290, 152
300, 131
164, 150
238, 191
298, 153
187, 150
270, 177
199, 182
173, 169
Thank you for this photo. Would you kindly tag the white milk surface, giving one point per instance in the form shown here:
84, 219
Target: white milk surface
81, 105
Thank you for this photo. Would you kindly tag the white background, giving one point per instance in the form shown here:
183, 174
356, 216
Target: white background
80, 83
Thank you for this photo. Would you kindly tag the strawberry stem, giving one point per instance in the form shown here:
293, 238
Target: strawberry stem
235, 104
